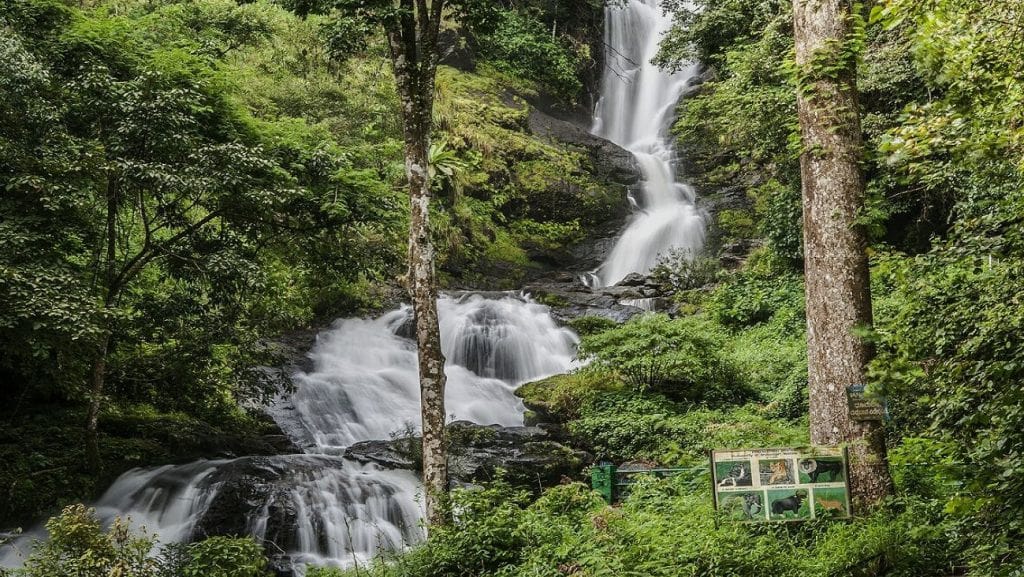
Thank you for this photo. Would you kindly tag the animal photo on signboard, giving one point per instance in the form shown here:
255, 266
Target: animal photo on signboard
733, 474
742, 505
830, 502
821, 470
788, 504
777, 472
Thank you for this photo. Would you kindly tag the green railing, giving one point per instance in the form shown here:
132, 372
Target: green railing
613, 484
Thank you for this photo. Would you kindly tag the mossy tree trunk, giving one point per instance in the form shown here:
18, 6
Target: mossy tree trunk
835, 260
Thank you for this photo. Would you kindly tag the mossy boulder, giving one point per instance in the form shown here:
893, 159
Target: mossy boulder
556, 399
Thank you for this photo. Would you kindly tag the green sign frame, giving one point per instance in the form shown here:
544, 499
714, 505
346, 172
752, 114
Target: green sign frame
781, 484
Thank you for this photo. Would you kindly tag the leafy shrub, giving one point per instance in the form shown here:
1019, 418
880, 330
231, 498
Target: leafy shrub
561, 396
681, 270
950, 360
79, 547
226, 557
752, 296
589, 325
679, 358
780, 218
772, 359
619, 427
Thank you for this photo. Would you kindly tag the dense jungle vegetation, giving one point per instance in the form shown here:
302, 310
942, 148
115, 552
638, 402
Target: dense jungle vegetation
183, 182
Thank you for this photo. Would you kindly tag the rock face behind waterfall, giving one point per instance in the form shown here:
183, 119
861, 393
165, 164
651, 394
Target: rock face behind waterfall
531, 457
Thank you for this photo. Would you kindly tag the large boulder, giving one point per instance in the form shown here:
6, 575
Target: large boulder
528, 456
569, 298
610, 161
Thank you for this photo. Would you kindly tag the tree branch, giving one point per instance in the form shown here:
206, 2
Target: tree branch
147, 253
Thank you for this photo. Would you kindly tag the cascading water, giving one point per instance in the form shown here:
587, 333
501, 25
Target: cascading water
365, 384
637, 103
320, 507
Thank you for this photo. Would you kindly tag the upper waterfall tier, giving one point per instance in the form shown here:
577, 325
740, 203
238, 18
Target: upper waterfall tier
637, 104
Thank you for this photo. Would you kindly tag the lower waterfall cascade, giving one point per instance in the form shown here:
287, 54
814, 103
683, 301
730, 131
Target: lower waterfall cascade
320, 507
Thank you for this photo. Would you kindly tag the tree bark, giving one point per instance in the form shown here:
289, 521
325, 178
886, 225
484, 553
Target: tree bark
422, 288
97, 381
412, 40
99, 364
838, 288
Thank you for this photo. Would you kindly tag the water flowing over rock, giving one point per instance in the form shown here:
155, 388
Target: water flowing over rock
360, 388
636, 106
364, 385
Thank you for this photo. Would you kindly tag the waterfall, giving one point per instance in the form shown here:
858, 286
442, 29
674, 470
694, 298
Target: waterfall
319, 507
637, 103
365, 386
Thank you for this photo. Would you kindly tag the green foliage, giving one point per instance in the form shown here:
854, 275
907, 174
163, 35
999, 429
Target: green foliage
588, 325
623, 427
561, 396
679, 358
226, 557
521, 44
761, 292
681, 270
772, 359
951, 316
79, 547
665, 528
169, 212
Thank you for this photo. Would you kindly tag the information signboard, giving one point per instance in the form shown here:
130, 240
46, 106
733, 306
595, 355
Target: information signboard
789, 484
862, 407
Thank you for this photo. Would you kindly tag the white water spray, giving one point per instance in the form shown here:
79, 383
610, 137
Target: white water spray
637, 103
365, 385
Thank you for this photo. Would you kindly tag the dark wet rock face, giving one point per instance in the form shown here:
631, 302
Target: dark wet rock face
246, 486
528, 455
611, 162
398, 453
569, 298
531, 457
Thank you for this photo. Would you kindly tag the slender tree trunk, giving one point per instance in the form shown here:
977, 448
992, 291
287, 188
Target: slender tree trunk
97, 381
422, 288
99, 363
835, 259
412, 33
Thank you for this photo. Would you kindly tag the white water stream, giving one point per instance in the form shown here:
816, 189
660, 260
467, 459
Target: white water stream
319, 507
365, 384
636, 108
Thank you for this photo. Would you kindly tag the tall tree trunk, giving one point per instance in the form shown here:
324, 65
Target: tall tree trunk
412, 32
835, 259
422, 288
99, 364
